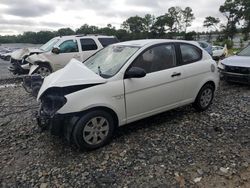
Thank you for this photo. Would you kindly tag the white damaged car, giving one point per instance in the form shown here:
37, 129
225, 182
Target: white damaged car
236, 68
123, 83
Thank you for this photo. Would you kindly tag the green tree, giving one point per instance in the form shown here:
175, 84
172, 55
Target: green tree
211, 22
135, 24
65, 31
232, 10
86, 29
188, 17
176, 15
149, 21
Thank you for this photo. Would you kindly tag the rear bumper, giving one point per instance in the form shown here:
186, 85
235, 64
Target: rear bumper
235, 77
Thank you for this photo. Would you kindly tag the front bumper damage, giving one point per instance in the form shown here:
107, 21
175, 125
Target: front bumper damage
48, 118
16, 66
61, 125
235, 77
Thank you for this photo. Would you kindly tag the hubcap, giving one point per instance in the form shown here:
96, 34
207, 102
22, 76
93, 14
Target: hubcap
43, 71
206, 97
96, 130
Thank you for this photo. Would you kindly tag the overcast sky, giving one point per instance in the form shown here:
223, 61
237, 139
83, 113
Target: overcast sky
17, 16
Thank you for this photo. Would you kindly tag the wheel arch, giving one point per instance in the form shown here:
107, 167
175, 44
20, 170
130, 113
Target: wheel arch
211, 82
44, 63
75, 117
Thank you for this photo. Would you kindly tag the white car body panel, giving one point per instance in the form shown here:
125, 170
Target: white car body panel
237, 61
158, 84
135, 98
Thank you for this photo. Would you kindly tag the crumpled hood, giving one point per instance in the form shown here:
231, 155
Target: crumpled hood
36, 57
19, 54
237, 61
74, 73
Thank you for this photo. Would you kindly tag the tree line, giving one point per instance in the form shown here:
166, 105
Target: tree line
174, 23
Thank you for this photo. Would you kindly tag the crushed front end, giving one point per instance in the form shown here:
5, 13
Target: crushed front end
18, 66
47, 118
33, 83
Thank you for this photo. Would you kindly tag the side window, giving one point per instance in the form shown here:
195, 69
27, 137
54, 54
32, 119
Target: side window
190, 53
68, 46
107, 41
88, 44
156, 59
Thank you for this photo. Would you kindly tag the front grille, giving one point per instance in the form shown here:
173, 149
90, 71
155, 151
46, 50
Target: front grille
240, 70
238, 79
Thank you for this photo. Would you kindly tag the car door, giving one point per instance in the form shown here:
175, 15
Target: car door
195, 69
160, 89
67, 50
88, 48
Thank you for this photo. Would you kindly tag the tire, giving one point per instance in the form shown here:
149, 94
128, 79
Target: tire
87, 131
204, 98
43, 70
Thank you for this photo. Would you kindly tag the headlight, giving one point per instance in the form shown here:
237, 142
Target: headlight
51, 103
221, 66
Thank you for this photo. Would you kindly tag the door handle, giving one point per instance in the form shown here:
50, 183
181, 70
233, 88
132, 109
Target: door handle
176, 74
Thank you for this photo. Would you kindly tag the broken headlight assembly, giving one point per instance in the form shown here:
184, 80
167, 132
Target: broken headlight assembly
52, 101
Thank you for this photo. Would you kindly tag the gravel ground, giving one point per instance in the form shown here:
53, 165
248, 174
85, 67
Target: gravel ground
179, 148
4, 72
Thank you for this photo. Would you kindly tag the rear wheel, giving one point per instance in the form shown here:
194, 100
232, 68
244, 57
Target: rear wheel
204, 98
43, 70
93, 130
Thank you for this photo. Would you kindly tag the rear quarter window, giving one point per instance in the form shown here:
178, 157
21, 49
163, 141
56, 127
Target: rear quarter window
88, 44
190, 53
107, 41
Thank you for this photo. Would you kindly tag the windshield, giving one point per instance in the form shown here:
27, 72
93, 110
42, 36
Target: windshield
109, 61
245, 52
49, 45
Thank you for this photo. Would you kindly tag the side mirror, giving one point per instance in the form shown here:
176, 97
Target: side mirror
55, 50
135, 72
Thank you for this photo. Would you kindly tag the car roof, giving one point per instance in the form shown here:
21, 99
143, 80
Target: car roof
144, 42
85, 36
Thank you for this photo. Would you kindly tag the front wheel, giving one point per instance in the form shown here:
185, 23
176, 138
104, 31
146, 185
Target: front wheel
204, 98
43, 70
93, 130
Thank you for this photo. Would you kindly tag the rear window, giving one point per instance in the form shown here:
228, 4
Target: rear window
88, 44
107, 41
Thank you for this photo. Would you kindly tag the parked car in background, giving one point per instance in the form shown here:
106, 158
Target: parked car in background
123, 83
236, 68
18, 62
79, 47
206, 46
219, 52
5, 53
6, 56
